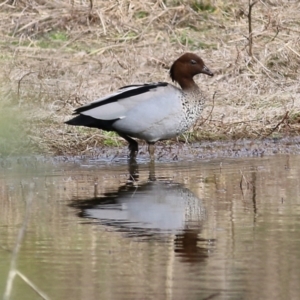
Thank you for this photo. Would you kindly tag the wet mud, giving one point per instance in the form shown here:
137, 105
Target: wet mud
171, 152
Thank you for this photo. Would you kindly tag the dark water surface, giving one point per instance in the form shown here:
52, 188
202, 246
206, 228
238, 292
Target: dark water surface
218, 229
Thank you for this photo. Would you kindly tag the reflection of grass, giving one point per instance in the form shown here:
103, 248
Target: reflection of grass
13, 137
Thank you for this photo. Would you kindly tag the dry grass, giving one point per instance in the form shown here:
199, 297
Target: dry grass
57, 55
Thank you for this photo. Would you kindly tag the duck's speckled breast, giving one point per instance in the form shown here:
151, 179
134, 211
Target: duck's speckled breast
192, 106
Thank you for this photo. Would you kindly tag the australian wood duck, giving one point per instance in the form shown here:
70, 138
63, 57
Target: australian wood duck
151, 112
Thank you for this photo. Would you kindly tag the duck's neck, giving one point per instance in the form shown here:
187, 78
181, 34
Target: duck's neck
188, 84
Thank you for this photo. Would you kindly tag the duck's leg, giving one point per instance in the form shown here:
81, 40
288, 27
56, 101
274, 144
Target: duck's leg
133, 145
151, 149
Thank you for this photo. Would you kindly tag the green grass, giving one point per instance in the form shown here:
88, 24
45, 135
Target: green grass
111, 138
141, 14
13, 137
185, 37
53, 39
58, 36
130, 35
202, 6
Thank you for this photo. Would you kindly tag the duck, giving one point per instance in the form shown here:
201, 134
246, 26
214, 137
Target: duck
152, 111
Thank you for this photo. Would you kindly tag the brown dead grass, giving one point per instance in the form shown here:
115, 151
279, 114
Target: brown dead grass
57, 55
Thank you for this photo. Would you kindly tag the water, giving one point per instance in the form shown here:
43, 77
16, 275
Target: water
217, 229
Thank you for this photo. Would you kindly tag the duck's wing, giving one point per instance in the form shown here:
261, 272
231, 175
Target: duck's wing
115, 106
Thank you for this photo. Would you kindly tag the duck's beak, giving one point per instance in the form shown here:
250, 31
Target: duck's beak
207, 71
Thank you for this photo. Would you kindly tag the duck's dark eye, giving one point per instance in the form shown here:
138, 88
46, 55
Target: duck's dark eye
193, 62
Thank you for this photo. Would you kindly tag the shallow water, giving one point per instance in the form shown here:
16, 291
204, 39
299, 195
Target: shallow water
207, 229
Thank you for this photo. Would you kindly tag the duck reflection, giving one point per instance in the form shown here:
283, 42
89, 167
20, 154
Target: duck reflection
151, 210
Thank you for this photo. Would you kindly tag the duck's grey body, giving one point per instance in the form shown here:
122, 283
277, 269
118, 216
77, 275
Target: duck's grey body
152, 116
149, 116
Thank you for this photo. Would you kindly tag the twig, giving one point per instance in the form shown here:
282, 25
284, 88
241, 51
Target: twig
294, 51
282, 120
238, 55
102, 21
157, 17
91, 4
250, 38
74, 39
18, 21
103, 49
238, 122
19, 81
34, 22
159, 62
274, 37
4, 3
13, 264
32, 285
213, 105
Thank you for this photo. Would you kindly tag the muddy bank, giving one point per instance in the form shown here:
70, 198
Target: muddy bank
195, 151
168, 153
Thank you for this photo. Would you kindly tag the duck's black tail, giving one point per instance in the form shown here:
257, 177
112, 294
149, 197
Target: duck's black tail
87, 121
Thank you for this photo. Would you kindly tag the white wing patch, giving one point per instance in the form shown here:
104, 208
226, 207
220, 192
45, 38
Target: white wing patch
109, 111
